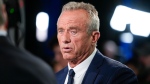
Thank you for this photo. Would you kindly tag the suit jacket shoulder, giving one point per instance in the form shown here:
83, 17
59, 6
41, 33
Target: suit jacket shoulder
21, 67
104, 70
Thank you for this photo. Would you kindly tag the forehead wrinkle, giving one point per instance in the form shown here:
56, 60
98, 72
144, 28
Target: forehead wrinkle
70, 24
72, 18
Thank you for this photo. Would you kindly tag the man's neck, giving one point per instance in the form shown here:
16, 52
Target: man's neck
3, 31
81, 58
2, 28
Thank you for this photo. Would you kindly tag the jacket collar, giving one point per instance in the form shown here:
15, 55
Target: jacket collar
93, 69
61, 78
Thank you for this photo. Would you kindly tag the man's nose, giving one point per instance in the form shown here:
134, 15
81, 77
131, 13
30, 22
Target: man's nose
66, 38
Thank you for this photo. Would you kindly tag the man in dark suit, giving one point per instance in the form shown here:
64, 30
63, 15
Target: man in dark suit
18, 66
78, 33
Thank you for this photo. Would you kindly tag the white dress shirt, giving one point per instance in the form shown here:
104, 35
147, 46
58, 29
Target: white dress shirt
81, 69
3, 33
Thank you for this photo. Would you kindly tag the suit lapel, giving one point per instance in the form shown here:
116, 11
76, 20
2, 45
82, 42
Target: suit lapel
93, 69
62, 77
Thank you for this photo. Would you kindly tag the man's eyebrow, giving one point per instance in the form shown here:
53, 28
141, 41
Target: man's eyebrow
70, 28
73, 27
60, 28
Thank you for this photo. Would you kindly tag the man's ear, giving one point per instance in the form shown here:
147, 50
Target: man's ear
95, 36
4, 12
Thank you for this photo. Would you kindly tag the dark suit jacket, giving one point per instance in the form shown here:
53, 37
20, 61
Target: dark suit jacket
20, 67
103, 70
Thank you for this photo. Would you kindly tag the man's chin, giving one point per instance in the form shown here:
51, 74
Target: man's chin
68, 57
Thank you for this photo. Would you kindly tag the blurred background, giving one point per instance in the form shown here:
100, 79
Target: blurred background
124, 28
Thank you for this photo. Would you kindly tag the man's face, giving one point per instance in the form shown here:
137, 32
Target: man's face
3, 15
72, 34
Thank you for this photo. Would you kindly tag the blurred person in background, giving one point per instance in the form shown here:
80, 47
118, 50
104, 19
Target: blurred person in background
144, 55
58, 63
19, 66
78, 33
144, 58
110, 49
132, 64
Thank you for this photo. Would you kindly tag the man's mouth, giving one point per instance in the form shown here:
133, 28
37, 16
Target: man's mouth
66, 49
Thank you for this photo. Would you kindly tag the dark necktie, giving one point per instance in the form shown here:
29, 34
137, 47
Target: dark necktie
71, 75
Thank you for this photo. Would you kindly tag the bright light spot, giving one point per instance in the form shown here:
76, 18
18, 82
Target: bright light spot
42, 21
126, 37
120, 18
41, 35
140, 23
138, 20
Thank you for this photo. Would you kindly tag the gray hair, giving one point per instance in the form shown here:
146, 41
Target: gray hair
94, 21
1, 15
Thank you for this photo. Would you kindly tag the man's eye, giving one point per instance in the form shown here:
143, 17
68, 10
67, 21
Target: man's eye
60, 31
73, 32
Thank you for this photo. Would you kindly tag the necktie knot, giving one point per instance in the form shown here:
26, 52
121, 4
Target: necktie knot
71, 73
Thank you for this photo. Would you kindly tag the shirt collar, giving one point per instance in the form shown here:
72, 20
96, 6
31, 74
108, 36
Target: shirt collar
83, 66
3, 33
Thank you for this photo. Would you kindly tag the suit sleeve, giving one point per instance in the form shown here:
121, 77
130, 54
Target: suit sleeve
123, 76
